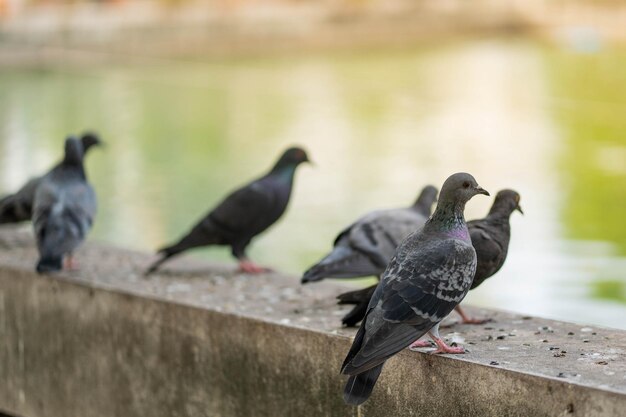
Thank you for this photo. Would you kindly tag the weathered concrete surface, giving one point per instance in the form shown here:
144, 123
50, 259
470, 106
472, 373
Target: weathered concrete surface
199, 340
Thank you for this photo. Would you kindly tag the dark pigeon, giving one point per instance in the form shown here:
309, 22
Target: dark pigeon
490, 238
366, 246
243, 214
429, 275
18, 207
63, 210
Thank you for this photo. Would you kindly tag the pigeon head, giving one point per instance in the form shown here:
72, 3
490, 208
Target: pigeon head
506, 202
426, 198
459, 188
90, 139
291, 158
73, 151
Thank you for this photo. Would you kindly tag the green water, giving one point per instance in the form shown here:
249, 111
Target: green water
544, 120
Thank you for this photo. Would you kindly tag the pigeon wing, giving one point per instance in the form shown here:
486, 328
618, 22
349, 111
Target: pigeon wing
419, 289
379, 233
246, 211
488, 250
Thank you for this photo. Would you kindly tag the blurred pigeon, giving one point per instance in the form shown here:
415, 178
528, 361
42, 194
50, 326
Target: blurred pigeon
429, 275
18, 207
243, 214
366, 246
490, 238
63, 210
361, 299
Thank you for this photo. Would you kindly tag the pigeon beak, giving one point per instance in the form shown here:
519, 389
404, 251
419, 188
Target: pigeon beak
481, 190
519, 208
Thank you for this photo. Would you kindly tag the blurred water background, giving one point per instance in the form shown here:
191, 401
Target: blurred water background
544, 118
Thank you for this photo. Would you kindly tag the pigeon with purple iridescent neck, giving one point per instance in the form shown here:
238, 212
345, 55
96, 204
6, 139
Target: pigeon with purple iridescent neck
490, 238
429, 275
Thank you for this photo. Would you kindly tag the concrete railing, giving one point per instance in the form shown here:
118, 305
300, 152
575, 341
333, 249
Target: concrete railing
200, 340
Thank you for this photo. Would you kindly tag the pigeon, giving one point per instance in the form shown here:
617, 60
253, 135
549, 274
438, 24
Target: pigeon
18, 207
490, 238
242, 215
365, 247
429, 275
64, 208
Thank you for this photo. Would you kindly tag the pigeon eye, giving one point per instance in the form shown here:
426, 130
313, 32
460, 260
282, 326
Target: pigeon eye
466, 184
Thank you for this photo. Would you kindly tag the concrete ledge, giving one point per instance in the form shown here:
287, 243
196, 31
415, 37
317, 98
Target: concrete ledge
199, 340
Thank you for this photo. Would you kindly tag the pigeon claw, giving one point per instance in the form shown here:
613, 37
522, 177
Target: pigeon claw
71, 264
448, 349
420, 344
250, 267
443, 348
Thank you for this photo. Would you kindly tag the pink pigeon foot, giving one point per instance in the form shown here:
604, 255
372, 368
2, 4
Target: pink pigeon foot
420, 344
250, 267
443, 348
71, 264
467, 320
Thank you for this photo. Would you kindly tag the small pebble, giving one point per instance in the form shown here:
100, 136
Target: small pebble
570, 333
501, 337
602, 363
493, 363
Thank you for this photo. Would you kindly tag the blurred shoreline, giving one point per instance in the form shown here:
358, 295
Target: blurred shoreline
47, 33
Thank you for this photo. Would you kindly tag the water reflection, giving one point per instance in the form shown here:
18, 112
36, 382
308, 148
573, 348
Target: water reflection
379, 126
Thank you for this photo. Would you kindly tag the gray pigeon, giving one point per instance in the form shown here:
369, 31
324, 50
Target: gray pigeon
242, 215
18, 207
365, 247
63, 210
429, 275
490, 238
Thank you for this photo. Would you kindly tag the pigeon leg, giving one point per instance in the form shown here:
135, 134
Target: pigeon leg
441, 345
467, 320
70, 263
420, 343
249, 267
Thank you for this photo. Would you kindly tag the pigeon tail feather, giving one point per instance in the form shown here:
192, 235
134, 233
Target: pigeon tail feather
342, 262
49, 264
359, 387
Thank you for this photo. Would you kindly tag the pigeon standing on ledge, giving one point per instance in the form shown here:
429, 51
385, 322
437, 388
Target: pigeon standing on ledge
490, 238
366, 247
429, 275
242, 215
63, 209
18, 207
